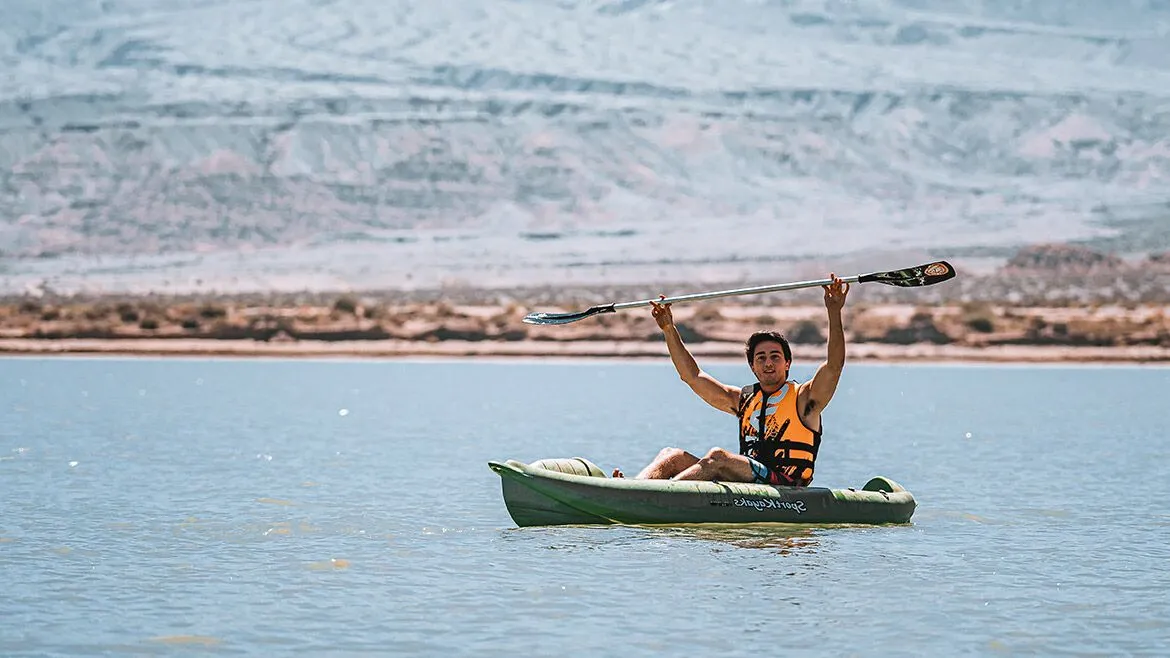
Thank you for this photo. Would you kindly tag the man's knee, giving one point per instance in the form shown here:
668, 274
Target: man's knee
717, 456
717, 463
671, 454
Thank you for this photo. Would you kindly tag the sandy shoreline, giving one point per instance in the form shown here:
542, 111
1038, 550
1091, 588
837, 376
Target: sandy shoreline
353, 327
712, 350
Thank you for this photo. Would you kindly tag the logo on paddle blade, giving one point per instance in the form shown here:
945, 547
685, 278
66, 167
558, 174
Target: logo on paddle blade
936, 269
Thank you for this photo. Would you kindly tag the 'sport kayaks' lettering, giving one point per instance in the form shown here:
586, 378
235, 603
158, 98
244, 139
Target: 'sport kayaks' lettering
768, 503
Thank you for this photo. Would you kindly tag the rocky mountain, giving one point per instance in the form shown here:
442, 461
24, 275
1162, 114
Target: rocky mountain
187, 144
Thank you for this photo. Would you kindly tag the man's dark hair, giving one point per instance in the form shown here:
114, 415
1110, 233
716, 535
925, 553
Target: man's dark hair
755, 339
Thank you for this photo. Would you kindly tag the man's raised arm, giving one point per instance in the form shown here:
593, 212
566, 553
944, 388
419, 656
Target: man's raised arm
713, 392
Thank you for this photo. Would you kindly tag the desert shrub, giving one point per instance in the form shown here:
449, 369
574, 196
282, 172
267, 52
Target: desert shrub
688, 334
149, 324
980, 323
190, 324
30, 307
97, 312
153, 308
127, 313
805, 331
444, 310
212, 311
346, 304
921, 329
50, 314
707, 314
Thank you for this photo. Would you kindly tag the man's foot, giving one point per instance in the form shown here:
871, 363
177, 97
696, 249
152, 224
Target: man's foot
617, 473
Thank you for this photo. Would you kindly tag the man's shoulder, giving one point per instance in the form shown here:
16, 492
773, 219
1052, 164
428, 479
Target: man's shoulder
746, 393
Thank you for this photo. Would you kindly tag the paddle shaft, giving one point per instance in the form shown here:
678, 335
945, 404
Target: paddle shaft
754, 290
911, 277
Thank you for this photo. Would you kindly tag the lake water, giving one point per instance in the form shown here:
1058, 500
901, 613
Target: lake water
338, 507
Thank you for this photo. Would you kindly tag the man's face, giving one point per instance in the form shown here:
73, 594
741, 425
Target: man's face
769, 365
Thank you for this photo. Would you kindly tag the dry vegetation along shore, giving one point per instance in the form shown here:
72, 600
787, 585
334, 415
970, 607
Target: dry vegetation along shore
1049, 303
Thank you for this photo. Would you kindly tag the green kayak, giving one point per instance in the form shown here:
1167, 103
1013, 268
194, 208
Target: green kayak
576, 492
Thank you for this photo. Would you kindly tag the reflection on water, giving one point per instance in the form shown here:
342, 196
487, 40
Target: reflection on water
781, 538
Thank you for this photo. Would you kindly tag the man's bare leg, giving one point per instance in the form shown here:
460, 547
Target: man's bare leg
668, 463
719, 464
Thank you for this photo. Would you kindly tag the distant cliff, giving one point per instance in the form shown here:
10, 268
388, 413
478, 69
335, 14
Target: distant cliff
720, 133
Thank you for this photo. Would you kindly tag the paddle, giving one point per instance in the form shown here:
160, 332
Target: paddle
911, 277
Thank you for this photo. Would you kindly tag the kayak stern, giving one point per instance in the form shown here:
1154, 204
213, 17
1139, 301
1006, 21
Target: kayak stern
528, 507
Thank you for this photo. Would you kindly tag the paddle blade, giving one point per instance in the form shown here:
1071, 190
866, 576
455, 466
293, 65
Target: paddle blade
913, 277
566, 318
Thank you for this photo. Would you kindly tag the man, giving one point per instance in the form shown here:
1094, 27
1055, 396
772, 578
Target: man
779, 420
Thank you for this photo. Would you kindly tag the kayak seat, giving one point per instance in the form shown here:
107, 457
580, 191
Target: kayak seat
880, 483
571, 466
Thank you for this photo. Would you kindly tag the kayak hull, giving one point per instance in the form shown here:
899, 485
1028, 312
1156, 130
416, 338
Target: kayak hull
576, 492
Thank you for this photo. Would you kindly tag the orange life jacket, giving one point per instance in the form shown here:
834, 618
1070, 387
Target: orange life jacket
774, 435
